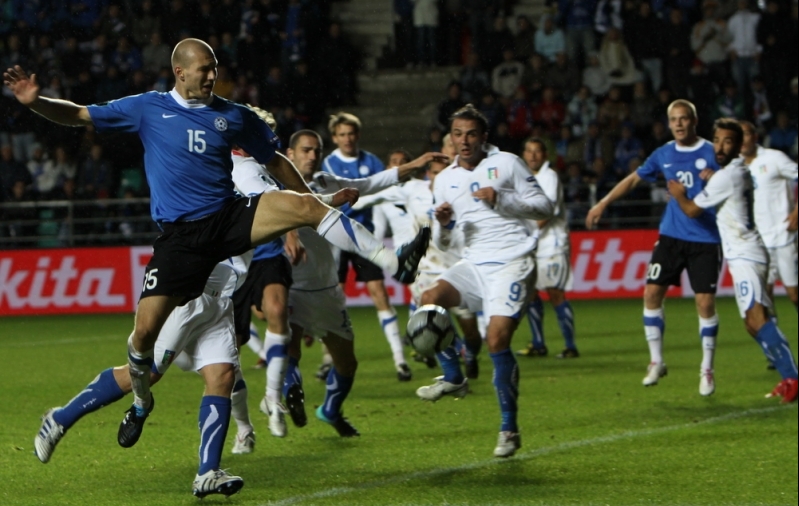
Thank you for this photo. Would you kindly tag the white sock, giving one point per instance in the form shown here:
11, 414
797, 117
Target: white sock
255, 343
351, 236
277, 363
709, 330
327, 358
140, 367
654, 326
482, 325
238, 406
388, 320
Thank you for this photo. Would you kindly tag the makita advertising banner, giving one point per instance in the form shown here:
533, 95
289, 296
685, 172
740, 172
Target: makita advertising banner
607, 265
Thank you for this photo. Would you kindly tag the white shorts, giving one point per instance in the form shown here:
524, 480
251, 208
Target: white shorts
750, 284
424, 282
198, 334
784, 265
494, 289
321, 312
554, 272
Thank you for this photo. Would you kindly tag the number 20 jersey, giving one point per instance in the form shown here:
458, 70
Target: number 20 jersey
684, 164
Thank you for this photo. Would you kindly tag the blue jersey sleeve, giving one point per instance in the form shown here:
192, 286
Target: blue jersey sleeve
123, 115
376, 165
650, 169
256, 138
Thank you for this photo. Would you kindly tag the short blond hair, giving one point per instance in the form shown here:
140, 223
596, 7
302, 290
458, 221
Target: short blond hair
685, 104
343, 118
267, 116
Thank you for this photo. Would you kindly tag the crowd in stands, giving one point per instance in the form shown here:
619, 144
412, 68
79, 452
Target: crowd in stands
595, 77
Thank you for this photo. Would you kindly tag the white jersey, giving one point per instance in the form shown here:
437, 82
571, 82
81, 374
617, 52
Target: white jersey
731, 191
498, 234
390, 217
773, 174
250, 177
553, 239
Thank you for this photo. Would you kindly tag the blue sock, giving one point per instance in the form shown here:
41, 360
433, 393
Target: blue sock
100, 393
535, 317
506, 383
214, 421
451, 365
472, 349
293, 375
338, 388
778, 350
566, 323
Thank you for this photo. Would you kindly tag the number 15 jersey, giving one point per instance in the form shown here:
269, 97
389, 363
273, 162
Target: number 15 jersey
187, 148
684, 164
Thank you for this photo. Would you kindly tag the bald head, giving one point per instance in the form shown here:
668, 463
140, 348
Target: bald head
188, 51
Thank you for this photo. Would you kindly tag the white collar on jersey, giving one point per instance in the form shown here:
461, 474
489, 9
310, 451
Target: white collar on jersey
690, 149
190, 104
344, 158
490, 150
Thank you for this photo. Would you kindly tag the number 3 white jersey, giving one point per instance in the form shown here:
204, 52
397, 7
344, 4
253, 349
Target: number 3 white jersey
731, 191
553, 239
773, 174
498, 234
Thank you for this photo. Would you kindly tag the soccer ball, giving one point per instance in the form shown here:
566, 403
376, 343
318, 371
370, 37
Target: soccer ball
430, 330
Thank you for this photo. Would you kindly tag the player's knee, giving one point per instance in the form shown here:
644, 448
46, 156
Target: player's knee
144, 336
429, 297
310, 209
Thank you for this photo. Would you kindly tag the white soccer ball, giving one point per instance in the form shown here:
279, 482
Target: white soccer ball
430, 330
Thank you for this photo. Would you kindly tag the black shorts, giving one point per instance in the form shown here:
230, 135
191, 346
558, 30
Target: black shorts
187, 252
262, 273
672, 256
365, 271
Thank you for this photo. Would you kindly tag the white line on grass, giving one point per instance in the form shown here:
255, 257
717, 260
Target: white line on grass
333, 492
57, 342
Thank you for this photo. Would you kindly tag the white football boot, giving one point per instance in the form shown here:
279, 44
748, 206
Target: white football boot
50, 433
244, 444
277, 417
707, 383
216, 482
441, 388
507, 446
654, 373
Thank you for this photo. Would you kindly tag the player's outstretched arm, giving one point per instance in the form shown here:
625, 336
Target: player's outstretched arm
623, 188
287, 174
408, 170
26, 90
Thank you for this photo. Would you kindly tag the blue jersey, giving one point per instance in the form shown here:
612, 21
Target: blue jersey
365, 165
269, 250
684, 165
187, 148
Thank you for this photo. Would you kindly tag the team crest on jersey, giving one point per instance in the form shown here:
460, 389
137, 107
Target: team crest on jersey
764, 169
220, 123
169, 356
364, 170
701, 164
493, 173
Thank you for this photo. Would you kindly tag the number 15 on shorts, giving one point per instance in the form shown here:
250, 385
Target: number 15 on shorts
150, 280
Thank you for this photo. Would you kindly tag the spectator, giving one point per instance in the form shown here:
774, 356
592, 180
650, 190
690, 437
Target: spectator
305, 96
156, 55
520, 116
96, 180
524, 42
783, 136
628, 149
175, 23
202, 23
425, 20
564, 77
224, 83
245, 92
761, 111
63, 164
645, 36
145, 24
774, 34
642, 108
664, 100
115, 24
85, 13
657, 137
71, 60
403, 28
450, 105
535, 76
582, 111
503, 140
126, 58
507, 76
6, 16
575, 190
729, 105
252, 60
434, 142
613, 112
85, 91
550, 113
45, 54
608, 16
43, 172
745, 52
498, 40
578, 18
595, 77
15, 52
111, 87
473, 78
793, 101
678, 53
22, 220
604, 180
274, 90
228, 17
709, 40
292, 35
338, 57
491, 109
54, 89
567, 149
228, 51
98, 55
12, 170
549, 40
616, 60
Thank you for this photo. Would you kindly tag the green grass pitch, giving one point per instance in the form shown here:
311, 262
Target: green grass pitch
592, 434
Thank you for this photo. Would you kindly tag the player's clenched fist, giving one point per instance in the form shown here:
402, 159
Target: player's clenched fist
444, 214
488, 195
594, 215
346, 196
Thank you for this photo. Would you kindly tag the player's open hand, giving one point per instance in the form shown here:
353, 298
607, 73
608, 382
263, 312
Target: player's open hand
594, 216
24, 87
444, 214
345, 196
295, 250
706, 174
793, 222
488, 195
676, 188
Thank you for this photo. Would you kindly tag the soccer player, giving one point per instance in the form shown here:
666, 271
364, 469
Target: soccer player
188, 134
197, 337
351, 162
776, 213
392, 217
553, 259
490, 195
731, 191
685, 243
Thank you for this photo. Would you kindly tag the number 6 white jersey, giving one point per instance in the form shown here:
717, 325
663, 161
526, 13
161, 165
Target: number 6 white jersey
731, 191
553, 239
498, 234
773, 172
